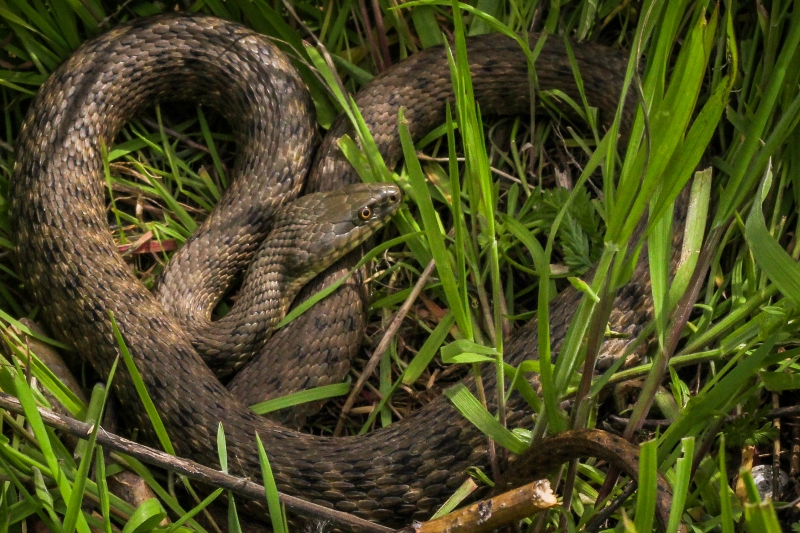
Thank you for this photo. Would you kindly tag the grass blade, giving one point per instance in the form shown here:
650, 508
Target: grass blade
433, 230
469, 406
304, 396
778, 265
148, 515
99, 397
136, 377
725, 492
276, 514
680, 489
648, 486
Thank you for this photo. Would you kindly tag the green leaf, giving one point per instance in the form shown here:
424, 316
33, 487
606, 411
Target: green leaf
233, 516
141, 389
680, 489
433, 231
469, 406
715, 394
420, 361
43, 438
744, 172
427, 27
102, 489
99, 397
647, 492
271, 490
301, 397
467, 351
725, 492
162, 493
584, 287
542, 262
521, 385
694, 231
415, 368
146, 517
780, 381
770, 256
460, 494
194, 511
222, 449
44, 496
467, 358
669, 119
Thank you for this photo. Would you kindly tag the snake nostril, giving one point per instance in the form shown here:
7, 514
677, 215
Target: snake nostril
393, 198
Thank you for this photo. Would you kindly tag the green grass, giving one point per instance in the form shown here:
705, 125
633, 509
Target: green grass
719, 84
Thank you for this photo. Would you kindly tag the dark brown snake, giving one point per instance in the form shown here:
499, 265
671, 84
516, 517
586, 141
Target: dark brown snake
71, 266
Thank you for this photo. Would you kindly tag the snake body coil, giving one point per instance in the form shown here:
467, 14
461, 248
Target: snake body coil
71, 267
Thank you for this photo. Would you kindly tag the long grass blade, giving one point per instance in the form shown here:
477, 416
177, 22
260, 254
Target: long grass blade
276, 514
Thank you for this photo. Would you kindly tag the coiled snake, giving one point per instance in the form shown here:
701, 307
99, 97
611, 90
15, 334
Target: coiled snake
71, 267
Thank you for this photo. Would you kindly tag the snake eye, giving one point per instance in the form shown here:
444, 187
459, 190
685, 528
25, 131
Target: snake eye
365, 213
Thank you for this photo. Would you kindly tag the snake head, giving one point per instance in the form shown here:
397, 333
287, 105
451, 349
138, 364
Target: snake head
318, 229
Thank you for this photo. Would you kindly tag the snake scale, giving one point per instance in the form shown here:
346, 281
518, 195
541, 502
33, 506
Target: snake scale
71, 267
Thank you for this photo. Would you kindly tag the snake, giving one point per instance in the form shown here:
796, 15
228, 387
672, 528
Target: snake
69, 263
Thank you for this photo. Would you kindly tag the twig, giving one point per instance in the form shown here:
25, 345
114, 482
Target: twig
784, 412
381, 34
194, 470
376, 355
373, 47
493, 513
497, 171
648, 423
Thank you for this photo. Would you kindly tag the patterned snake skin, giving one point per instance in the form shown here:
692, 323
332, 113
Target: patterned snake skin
71, 266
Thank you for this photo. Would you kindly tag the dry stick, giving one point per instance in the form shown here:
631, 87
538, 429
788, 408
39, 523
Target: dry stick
381, 33
193, 470
488, 515
425, 157
400, 23
377, 57
649, 423
784, 412
387, 337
